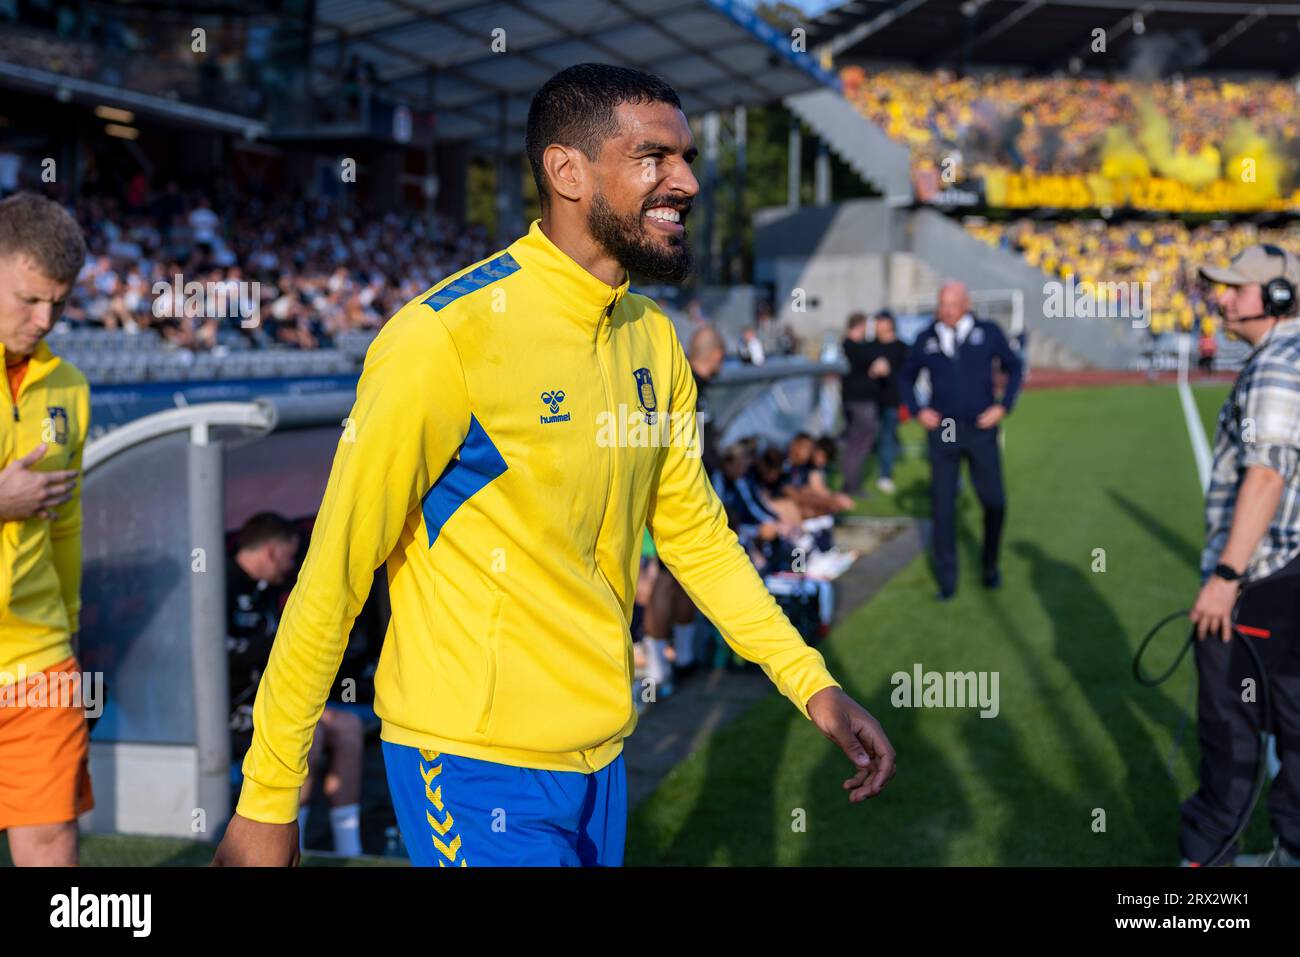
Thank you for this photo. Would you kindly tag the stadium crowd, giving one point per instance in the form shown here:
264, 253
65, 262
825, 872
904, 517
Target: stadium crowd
1159, 252
1074, 124
320, 269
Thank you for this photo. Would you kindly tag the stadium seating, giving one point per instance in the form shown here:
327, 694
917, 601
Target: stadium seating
109, 356
1191, 144
1164, 253
323, 280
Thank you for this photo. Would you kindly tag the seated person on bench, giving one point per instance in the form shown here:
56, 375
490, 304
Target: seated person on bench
266, 551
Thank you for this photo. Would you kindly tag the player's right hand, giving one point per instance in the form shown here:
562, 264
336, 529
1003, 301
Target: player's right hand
253, 844
24, 493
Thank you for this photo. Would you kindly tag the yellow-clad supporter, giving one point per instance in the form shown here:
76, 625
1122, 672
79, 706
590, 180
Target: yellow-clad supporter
1096, 252
1180, 145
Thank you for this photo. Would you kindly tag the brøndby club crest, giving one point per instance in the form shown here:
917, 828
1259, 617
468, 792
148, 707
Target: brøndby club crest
57, 424
645, 390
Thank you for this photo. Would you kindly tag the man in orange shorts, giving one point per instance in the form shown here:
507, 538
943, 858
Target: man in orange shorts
44, 415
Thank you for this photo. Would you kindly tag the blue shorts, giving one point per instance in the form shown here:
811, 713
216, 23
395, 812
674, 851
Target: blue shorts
463, 812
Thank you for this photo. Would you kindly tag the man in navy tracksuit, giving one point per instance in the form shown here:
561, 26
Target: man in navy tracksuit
959, 352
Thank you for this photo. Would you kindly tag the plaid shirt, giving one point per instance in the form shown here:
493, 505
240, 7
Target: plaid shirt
1259, 425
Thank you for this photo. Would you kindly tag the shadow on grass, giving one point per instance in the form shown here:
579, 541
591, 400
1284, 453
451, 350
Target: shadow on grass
1092, 642
1026, 805
730, 820
1027, 817
996, 797
1186, 552
886, 830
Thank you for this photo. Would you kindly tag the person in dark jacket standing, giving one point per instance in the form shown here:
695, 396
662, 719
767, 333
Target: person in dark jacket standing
870, 396
859, 392
894, 352
959, 352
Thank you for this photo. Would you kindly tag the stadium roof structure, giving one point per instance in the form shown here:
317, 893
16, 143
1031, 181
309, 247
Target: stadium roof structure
1157, 37
438, 54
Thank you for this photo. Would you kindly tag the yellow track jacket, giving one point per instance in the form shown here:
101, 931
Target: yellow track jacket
500, 459
40, 560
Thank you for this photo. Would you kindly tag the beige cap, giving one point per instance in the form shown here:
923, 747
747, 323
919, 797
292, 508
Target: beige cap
1256, 264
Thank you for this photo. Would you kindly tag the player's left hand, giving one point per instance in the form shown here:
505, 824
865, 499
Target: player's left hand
860, 737
1212, 613
991, 416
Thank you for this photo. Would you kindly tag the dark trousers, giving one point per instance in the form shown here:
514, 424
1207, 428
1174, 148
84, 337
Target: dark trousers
979, 447
887, 444
1229, 728
861, 422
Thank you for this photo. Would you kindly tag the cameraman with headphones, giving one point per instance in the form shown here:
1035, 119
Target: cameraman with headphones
1251, 563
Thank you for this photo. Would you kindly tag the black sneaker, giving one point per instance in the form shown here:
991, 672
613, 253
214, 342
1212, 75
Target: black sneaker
993, 579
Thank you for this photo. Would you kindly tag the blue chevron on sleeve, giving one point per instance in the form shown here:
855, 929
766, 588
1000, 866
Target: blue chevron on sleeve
475, 279
479, 464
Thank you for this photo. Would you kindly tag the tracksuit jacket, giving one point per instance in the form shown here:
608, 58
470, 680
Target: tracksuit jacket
515, 429
40, 559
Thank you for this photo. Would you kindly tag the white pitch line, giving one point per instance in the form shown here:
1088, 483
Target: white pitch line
1195, 430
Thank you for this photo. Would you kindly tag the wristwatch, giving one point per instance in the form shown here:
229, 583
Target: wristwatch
1227, 572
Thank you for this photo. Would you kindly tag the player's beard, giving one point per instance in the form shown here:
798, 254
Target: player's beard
625, 238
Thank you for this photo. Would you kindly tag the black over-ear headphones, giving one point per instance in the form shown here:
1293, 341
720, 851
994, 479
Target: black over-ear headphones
1279, 293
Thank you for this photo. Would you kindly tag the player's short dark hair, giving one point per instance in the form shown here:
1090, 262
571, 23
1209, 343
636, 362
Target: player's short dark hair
265, 527
45, 232
576, 108
888, 316
856, 319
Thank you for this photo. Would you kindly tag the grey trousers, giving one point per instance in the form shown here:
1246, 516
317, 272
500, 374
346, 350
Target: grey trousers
862, 423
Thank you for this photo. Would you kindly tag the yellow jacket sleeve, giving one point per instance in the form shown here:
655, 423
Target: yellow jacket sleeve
65, 530
410, 417
689, 527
